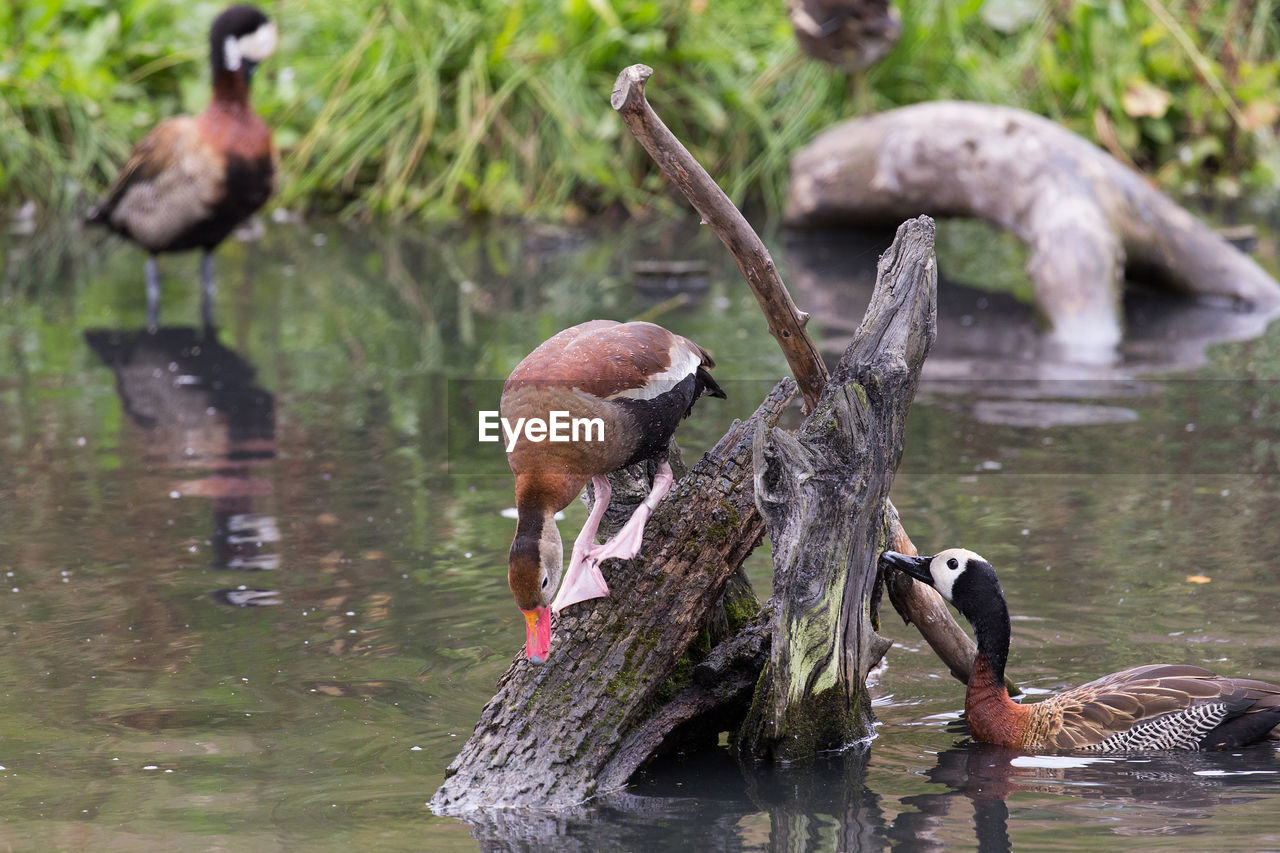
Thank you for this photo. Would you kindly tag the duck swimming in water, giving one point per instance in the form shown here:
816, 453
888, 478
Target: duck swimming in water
1144, 708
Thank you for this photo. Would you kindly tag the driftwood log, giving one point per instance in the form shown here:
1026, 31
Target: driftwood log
822, 492
1084, 216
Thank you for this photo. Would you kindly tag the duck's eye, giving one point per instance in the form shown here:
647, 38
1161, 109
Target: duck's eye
545, 581
953, 564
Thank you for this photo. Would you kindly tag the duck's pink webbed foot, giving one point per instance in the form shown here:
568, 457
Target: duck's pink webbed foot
626, 543
583, 580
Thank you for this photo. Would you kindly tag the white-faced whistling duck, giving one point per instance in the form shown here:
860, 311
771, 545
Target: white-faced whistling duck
1145, 708
193, 179
625, 386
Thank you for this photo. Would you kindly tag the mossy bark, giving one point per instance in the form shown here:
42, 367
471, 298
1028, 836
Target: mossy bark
822, 492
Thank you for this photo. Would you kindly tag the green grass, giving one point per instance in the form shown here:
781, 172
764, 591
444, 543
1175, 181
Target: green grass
445, 108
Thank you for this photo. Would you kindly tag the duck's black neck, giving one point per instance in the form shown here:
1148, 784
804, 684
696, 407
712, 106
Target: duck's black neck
990, 620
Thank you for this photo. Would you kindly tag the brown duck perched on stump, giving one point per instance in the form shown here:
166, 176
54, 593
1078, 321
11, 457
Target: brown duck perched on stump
1144, 708
193, 179
617, 391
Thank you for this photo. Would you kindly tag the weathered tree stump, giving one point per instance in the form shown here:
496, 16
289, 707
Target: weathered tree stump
822, 492
1084, 216
629, 674
625, 673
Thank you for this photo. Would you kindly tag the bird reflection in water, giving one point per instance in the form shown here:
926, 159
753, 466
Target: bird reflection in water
195, 407
1170, 790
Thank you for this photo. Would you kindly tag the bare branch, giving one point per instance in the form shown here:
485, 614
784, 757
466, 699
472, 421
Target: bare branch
785, 321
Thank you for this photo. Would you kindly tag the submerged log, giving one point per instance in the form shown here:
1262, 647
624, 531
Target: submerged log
822, 492
1084, 216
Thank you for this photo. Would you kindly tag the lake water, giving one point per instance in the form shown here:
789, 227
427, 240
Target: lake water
254, 588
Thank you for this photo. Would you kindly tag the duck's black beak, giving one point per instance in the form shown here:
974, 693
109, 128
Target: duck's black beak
917, 567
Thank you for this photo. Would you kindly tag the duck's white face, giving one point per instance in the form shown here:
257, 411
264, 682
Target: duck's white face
254, 47
947, 566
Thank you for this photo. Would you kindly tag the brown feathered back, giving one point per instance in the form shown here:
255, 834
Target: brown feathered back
606, 359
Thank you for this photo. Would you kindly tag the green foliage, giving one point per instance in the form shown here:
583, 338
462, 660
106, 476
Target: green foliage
437, 108
504, 107
80, 80
1183, 89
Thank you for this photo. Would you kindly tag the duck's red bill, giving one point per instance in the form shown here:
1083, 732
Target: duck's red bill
537, 639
